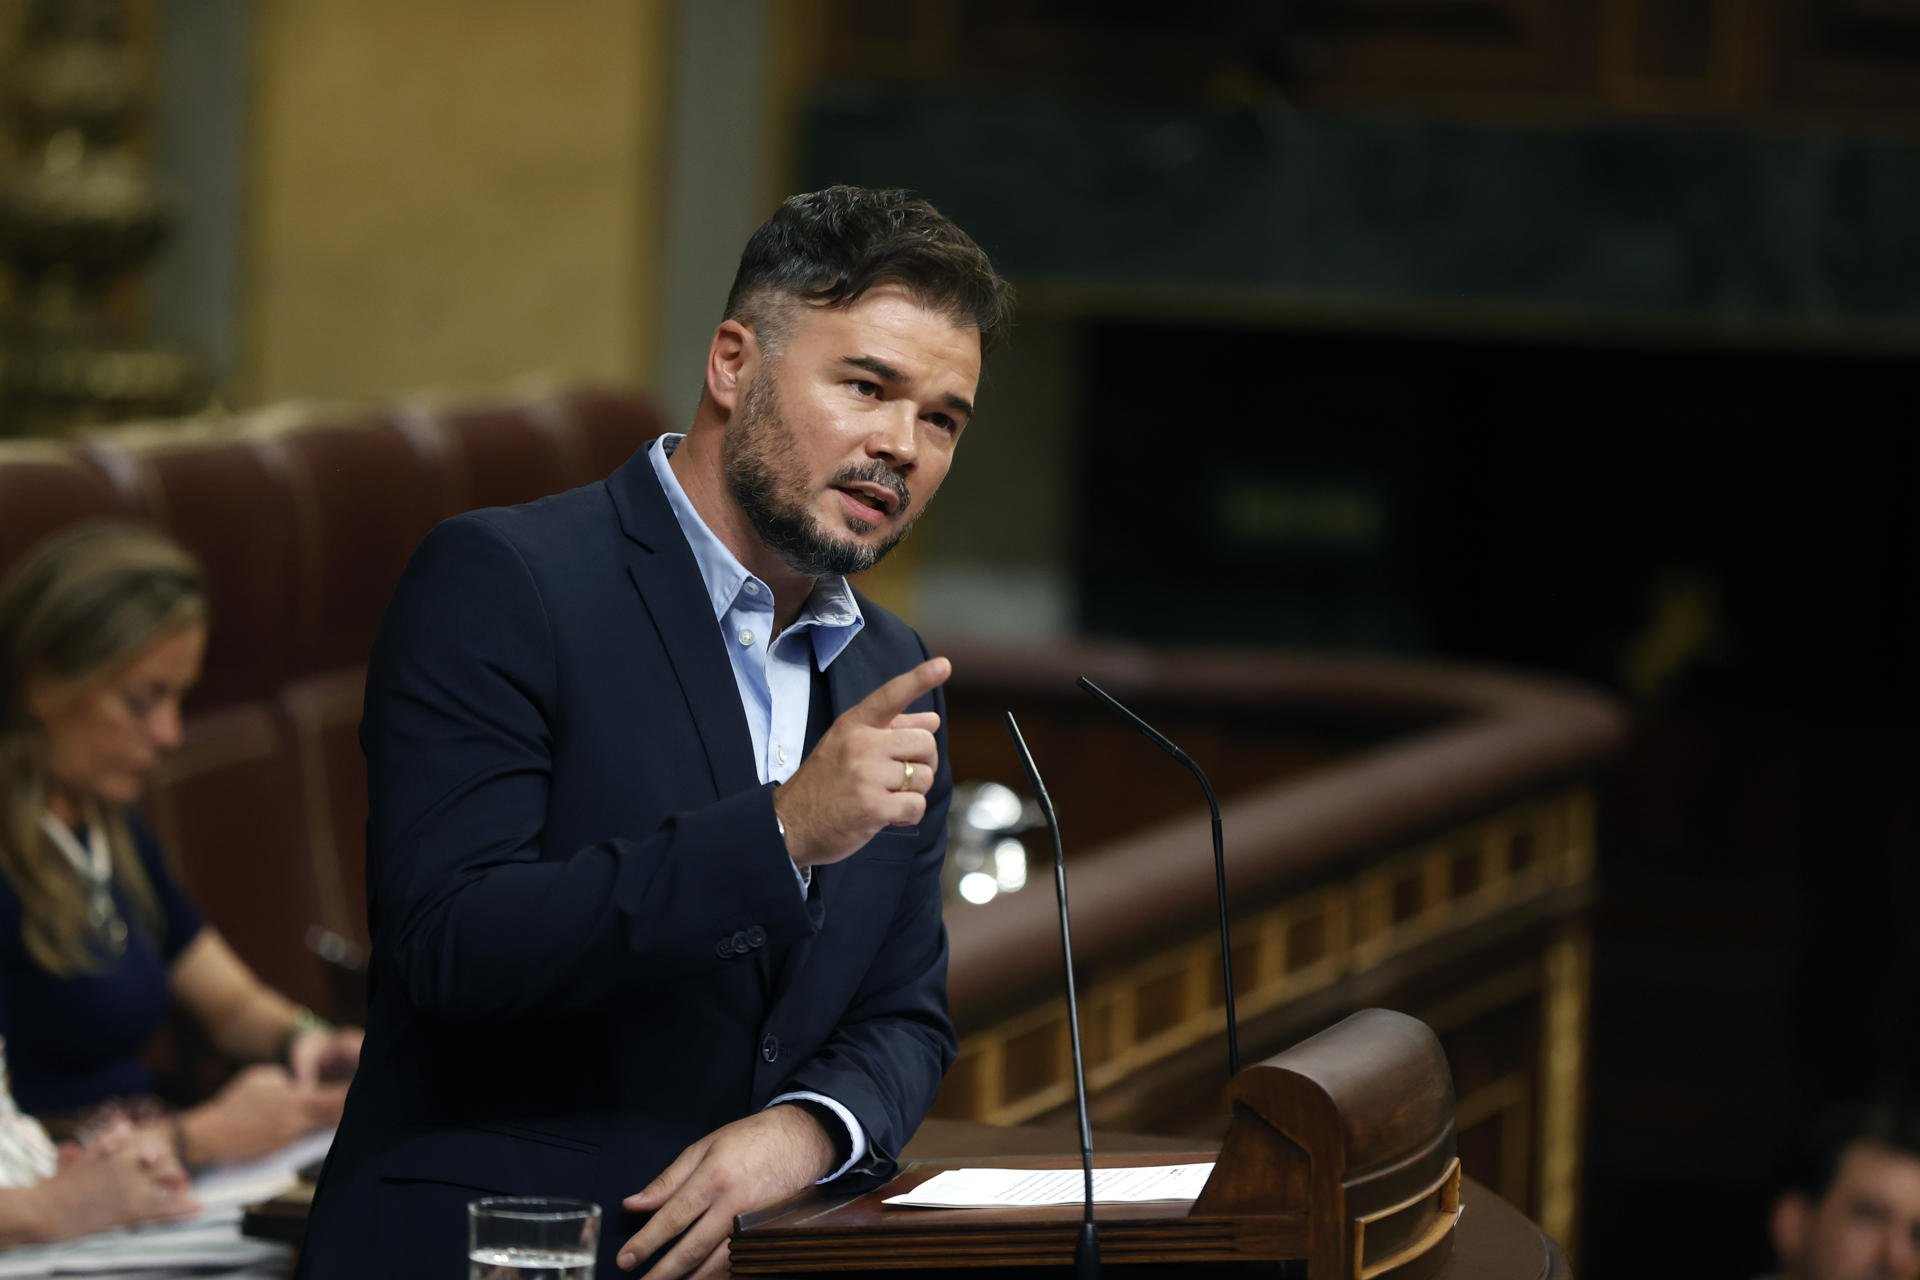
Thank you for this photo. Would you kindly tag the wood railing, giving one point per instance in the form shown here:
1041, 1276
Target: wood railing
1439, 859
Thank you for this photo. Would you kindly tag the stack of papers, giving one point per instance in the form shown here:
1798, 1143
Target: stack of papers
209, 1242
1014, 1188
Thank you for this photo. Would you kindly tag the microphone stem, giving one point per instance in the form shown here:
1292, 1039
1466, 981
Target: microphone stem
1073, 1030
1185, 761
1087, 1251
1226, 934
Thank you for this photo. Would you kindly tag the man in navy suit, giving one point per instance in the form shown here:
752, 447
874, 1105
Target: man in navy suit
657, 802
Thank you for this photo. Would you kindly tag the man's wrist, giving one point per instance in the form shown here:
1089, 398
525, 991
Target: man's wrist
834, 1143
849, 1138
785, 831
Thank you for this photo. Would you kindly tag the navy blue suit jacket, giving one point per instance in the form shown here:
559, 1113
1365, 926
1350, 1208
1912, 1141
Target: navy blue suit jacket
589, 948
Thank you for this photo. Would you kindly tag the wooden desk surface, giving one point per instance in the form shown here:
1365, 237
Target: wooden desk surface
1494, 1241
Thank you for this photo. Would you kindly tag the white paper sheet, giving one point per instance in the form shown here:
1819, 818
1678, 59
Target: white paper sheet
1011, 1188
161, 1249
232, 1187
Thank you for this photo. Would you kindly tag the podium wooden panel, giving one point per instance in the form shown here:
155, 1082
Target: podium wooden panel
1494, 1241
859, 1233
1339, 1162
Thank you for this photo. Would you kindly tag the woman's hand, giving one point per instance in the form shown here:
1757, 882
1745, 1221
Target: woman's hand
325, 1055
152, 1145
122, 1176
261, 1109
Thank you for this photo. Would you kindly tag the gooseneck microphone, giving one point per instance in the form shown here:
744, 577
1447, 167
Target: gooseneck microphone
1219, 858
1086, 1251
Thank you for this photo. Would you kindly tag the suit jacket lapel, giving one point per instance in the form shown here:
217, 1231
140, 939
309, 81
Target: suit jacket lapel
853, 675
662, 568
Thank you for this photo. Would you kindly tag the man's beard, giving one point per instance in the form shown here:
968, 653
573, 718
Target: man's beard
758, 457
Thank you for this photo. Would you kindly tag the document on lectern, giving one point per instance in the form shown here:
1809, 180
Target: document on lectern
1018, 1188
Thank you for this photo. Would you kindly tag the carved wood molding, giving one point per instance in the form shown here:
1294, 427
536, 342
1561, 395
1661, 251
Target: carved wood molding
1169, 1001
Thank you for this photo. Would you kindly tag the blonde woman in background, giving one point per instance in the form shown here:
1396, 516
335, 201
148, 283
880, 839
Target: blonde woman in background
102, 633
121, 1176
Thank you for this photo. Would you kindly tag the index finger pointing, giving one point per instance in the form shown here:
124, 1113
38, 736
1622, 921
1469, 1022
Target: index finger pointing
896, 695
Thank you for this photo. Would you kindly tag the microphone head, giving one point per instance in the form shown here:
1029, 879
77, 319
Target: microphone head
1033, 774
1086, 682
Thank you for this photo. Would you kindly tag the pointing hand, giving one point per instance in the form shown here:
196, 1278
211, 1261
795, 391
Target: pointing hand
872, 768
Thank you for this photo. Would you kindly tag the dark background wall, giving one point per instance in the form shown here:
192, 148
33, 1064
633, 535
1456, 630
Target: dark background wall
1575, 336
1726, 537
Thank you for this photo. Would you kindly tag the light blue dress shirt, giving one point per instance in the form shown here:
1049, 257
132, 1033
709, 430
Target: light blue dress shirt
774, 673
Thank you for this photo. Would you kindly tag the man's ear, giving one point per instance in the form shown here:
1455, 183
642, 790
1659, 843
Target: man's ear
733, 348
1791, 1220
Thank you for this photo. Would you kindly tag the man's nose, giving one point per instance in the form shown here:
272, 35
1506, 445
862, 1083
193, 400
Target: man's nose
896, 438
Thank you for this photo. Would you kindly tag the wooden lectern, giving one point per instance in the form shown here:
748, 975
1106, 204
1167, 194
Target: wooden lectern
1339, 1160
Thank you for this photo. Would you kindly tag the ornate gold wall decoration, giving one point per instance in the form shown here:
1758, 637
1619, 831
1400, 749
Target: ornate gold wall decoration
1563, 1057
79, 218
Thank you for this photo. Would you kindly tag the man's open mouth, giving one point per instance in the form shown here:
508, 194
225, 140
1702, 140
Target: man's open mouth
876, 497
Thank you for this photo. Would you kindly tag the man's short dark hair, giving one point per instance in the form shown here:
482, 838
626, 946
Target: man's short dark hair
1814, 1161
830, 248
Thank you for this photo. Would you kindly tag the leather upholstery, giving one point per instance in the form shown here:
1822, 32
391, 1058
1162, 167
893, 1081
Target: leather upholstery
44, 487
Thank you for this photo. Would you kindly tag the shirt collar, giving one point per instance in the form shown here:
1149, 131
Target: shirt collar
831, 611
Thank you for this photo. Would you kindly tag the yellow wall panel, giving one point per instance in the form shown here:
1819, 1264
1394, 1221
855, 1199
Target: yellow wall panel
450, 193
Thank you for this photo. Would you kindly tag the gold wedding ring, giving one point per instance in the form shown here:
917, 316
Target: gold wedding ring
906, 777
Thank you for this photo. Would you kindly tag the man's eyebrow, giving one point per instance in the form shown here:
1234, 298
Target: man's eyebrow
887, 373
879, 368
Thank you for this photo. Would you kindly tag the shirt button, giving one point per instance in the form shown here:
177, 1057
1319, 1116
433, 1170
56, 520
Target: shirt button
780, 754
746, 636
756, 936
753, 588
724, 948
770, 1048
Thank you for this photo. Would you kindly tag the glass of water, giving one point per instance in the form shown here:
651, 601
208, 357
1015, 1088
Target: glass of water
531, 1238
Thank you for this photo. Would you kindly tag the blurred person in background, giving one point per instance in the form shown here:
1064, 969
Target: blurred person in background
102, 633
119, 1177
1851, 1208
